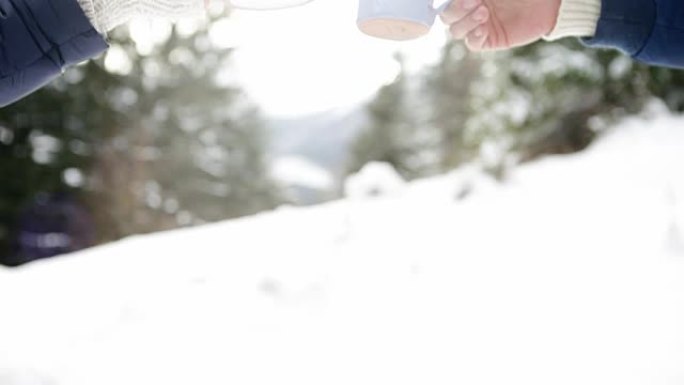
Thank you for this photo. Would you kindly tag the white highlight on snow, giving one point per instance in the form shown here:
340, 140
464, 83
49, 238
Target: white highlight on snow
565, 274
375, 179
297, 171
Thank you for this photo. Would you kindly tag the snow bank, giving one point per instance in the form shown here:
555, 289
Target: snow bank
375, 179
570, 273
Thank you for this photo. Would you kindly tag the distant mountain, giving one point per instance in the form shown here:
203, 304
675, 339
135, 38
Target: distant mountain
322, 138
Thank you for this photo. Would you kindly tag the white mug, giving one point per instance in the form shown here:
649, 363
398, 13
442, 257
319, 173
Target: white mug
397, 19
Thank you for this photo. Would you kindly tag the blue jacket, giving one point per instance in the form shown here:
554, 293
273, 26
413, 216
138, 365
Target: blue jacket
38, 39
651, 31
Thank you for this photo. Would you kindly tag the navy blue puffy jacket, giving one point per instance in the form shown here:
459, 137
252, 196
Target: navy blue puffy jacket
651, 31
38, 39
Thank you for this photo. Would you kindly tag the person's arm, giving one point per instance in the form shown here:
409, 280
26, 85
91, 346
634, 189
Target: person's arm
38, 39
651, 31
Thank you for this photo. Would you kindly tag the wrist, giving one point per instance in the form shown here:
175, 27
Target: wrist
576, 18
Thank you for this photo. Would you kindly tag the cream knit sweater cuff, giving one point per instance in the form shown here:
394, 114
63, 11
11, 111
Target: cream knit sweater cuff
576, 18
105, 15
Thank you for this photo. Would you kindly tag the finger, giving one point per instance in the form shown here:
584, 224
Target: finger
476, 39
461, 29
458, 9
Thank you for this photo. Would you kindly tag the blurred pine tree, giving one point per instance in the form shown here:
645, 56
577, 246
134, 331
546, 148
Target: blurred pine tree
508, 107
392, 134
48, 146
161, 146
447, 87
542, 99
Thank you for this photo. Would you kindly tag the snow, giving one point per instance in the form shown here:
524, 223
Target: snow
570, 272
375, 179
298, 171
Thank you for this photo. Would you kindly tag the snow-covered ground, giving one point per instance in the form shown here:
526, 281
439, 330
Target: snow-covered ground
571, 272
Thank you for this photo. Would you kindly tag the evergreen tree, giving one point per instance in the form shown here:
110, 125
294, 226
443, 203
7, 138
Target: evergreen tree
447, 88
541, 99
47, 142
164, 146
212, 141
392, 134
192, 150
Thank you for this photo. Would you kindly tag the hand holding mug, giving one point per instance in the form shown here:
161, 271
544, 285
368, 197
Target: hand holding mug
483, 24
500, 24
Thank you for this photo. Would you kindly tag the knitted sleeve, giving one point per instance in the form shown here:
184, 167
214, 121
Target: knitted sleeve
106, 15
576, 18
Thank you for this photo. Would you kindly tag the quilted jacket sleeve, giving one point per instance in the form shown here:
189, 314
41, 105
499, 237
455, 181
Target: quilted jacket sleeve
38, 39
651, 31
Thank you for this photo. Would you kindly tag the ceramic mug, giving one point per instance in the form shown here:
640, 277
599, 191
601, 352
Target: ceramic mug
397, 19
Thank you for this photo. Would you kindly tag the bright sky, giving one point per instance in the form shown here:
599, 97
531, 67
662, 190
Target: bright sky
301, 60
313, 58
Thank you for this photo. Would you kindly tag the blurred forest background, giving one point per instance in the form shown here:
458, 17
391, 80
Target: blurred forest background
99, 155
